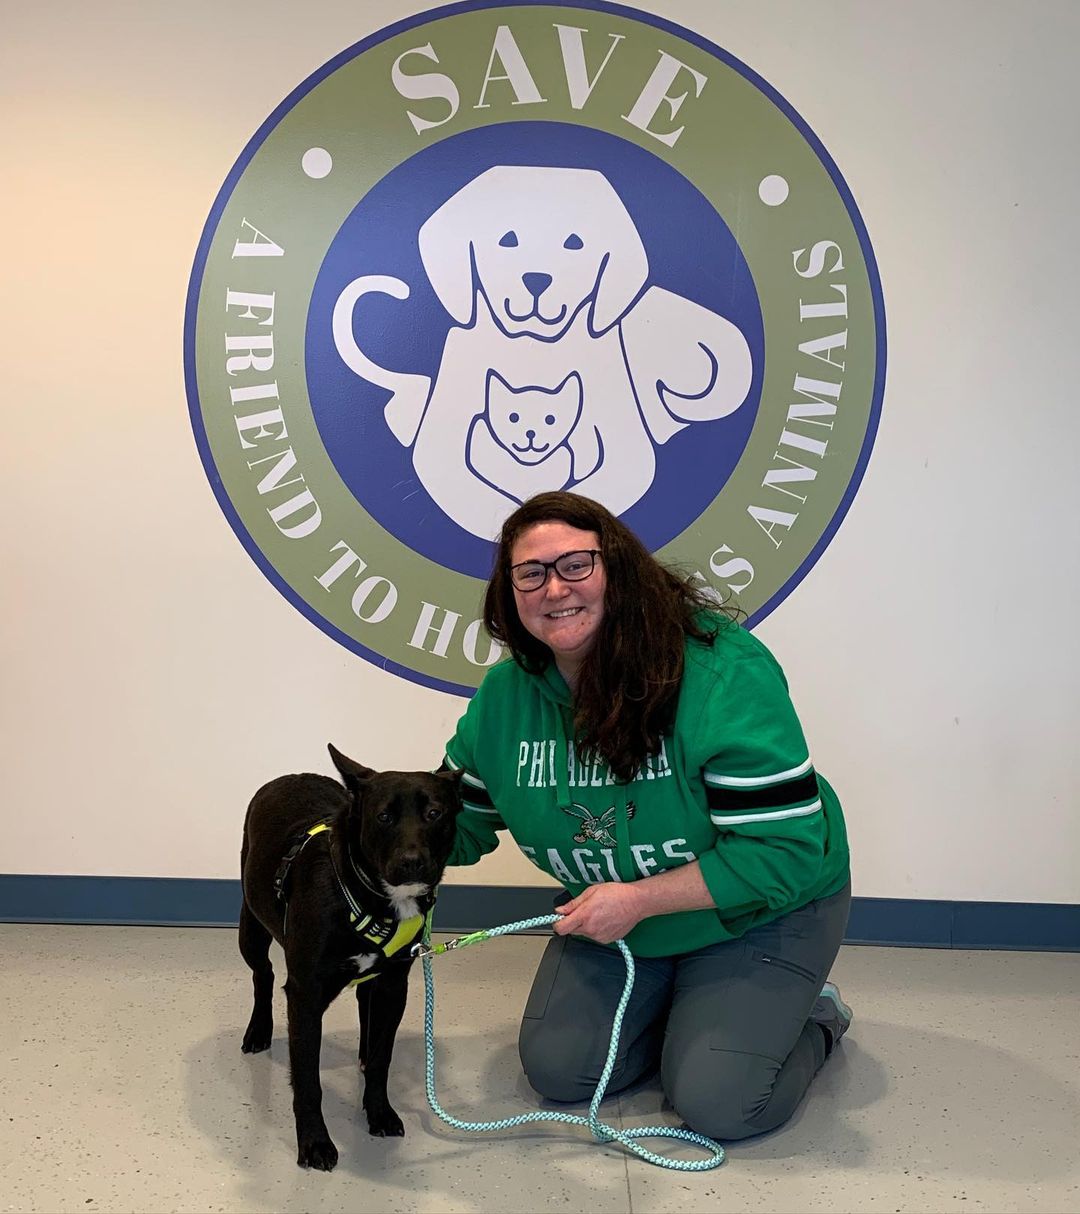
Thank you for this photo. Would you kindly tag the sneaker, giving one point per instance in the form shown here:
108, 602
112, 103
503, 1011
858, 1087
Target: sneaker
832, 1013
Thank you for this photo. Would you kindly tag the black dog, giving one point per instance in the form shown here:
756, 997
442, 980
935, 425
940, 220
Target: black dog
342, 879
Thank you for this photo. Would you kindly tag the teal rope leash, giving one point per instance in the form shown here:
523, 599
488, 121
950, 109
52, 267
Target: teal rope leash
601, 1132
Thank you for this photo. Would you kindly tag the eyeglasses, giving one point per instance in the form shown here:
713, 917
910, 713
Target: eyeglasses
571, 567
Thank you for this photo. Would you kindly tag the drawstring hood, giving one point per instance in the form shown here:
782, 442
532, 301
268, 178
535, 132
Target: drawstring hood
562, 758
558, 716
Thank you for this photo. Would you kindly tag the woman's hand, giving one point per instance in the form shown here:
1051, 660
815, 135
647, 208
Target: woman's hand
604, 913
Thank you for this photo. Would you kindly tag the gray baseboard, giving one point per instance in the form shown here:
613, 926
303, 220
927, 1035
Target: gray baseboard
203, 902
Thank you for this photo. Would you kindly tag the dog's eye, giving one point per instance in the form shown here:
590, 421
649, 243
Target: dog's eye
550, 419
384, 816
433, 813
509, 241
515, 417
573, 241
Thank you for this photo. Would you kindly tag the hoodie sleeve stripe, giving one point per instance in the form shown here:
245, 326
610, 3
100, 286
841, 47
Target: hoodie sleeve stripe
772, 797
772, 815
716, 779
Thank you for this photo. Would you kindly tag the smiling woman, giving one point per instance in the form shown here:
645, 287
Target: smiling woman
564, 607
701, 833
563, 610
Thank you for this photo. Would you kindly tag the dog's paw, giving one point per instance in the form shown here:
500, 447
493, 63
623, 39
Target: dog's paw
257, 1038
383, 1122
319, 1153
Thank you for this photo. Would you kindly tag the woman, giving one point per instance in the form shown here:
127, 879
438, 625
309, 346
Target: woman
641, 748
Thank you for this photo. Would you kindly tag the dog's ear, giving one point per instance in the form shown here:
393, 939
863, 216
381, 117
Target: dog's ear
452, 775
446, 251
351, 771
625, 267
454, 779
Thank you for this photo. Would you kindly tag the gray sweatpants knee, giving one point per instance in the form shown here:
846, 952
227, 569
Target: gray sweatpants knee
713, 1099
729, 1095
555, 1074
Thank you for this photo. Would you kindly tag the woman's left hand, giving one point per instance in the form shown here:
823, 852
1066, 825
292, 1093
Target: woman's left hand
604, 913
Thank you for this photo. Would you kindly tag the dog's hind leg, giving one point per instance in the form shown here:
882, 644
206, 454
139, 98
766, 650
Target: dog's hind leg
255, 949
385, 1009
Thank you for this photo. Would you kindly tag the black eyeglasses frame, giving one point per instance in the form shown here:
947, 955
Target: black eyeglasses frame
548, 566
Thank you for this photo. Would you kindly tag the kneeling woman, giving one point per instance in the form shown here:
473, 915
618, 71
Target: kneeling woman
642, 748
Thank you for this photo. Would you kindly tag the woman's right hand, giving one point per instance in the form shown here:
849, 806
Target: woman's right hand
605, 913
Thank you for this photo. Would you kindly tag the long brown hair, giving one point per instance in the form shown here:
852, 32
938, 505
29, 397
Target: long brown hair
628, 683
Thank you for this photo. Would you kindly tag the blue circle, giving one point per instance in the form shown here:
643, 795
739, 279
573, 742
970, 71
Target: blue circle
691, 252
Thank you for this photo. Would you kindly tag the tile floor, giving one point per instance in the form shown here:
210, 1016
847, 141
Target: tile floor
123, 1088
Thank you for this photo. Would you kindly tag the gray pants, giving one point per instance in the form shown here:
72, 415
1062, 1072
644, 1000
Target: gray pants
727, 1025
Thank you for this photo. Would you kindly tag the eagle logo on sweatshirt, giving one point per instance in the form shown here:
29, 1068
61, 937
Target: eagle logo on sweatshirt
596, 828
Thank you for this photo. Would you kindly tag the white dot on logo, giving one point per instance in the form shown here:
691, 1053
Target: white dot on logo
773, 190
317, 162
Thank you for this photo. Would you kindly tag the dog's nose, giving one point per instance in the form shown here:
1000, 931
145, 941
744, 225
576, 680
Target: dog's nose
536, 284
410, 865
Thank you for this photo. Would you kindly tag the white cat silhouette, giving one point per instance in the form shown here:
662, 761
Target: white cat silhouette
518, 444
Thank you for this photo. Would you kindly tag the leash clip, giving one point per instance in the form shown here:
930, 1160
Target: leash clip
422, 949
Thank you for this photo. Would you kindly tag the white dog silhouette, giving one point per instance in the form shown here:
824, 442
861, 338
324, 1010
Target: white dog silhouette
541, 271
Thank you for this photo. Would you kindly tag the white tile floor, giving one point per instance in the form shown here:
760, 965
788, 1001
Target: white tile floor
123, 1088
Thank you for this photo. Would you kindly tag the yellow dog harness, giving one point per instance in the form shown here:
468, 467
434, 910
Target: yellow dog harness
386, 936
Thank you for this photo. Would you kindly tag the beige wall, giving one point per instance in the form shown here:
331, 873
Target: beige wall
153, 678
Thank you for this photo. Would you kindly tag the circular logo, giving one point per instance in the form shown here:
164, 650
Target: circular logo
499, 249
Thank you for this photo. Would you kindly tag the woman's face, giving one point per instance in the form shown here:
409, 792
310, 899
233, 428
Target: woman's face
565, 616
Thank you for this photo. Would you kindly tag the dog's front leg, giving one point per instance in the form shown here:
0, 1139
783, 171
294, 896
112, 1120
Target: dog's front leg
385, 1007
315, 1149
363, 1001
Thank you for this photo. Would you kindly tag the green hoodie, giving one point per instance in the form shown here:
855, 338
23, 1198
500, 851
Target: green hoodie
732, 787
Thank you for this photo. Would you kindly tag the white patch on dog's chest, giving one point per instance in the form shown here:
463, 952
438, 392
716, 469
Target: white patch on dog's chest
403, 898
364, 961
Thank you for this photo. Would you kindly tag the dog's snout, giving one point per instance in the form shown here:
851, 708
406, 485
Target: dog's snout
410, 865
536, 284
